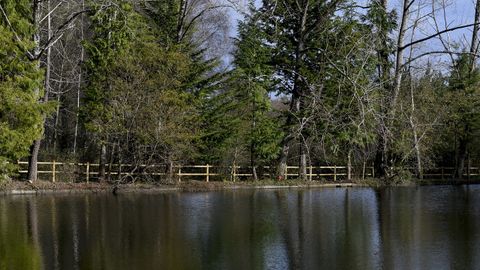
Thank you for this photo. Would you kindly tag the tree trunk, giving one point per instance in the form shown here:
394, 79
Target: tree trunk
35, 148
282, 165
416, 141
57, 113
252, 143
462, 155
33, 161
302, 169
364, 167
399, 58
103, 161
169, 170
382, 161
110, 161
474, 44
349, 165
383, 52
79, 86
296, 99
418, 153
55, 124
233, 173
282, 161
254, 173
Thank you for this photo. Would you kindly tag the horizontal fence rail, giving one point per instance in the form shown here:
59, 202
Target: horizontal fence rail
53, 170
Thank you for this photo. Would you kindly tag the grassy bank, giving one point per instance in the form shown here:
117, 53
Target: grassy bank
41, 187
44, 187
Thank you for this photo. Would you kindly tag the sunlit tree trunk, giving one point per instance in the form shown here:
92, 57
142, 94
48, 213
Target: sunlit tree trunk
35, 148
382, 160
103, 162
79, 86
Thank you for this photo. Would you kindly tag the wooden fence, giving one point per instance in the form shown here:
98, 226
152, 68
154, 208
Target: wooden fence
54, 171
87, 171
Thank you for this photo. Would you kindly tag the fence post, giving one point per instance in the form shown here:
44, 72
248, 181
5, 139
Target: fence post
208, 173
119, 176
334, 173
311, 173
179, 173
88, 172
53, 171
363, 170
349, 166
349, 172
286, 172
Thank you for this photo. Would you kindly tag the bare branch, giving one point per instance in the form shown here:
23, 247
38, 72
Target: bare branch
436, 34
54, 38
50, 12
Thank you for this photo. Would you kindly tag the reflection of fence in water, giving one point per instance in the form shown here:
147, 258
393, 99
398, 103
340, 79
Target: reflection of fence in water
87, 171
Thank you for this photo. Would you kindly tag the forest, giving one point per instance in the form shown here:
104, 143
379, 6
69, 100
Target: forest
392, 84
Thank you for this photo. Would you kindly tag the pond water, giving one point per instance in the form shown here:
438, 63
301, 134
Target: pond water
356, 228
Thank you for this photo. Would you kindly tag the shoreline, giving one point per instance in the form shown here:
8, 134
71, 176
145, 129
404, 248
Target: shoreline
44, 188
49, 188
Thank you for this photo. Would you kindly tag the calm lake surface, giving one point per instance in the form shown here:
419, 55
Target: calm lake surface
356, 228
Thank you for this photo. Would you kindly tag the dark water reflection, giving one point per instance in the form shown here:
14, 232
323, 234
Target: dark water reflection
398, 228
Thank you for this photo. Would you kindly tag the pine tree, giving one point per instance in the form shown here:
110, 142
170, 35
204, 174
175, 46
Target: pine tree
343, 118
175, 23
463, 100
111, 33
241, 127
297, 28
254, 81
20, 80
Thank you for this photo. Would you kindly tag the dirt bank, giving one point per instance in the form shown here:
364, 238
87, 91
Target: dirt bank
43, 187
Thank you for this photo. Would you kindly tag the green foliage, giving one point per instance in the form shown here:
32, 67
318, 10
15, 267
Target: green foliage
464, 96
402, 177
111, 34
165, 16
240, 117
158, 116
349, 101
462, 100
318, 75
427, 92
136, 101
328, 64
20, 87
174, 29
382, 23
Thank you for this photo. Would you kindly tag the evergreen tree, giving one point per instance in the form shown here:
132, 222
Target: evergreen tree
157, 122
111, 34
297, 29
20, 80
254, 81
135, 102
175, 23
344, 113
463, 100
242, 129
